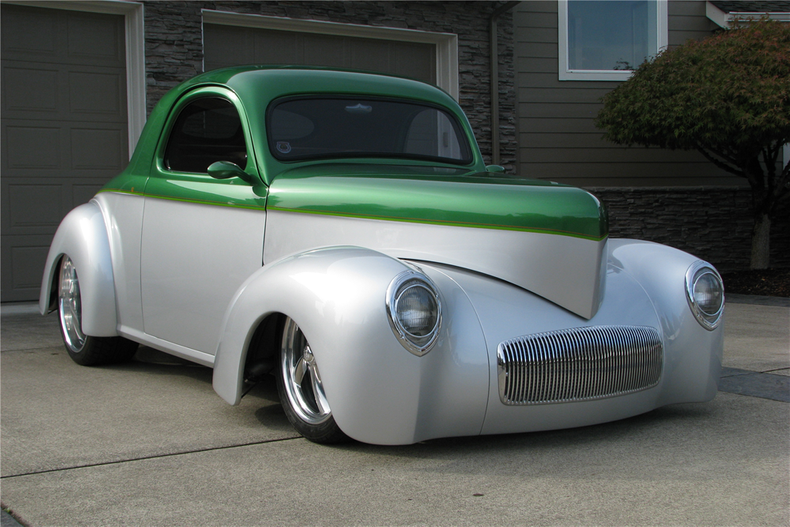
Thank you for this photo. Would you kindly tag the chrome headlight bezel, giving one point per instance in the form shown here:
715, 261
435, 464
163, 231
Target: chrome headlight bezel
707, 317
416, 282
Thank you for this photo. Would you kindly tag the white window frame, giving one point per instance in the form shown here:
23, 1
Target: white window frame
566, 74
134, 35
446, 43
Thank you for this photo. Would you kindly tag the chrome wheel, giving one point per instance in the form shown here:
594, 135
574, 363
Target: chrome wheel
301, 378
70, 307
85, 349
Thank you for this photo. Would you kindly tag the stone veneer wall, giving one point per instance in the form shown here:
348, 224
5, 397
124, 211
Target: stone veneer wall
174, 47
712, 223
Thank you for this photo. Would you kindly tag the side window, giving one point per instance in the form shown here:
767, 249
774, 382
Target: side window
206, 131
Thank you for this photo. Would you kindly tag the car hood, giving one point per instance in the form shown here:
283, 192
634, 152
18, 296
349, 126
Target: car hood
549, 239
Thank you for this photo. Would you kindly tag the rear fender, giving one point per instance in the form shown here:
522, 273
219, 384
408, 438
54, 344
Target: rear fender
82, 235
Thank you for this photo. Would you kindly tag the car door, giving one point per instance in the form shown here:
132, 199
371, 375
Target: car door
202, 237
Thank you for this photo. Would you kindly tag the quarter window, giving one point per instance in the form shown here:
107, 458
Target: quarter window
206, 131
605, 40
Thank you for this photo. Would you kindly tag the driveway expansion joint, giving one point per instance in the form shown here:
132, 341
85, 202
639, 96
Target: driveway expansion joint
765, 385
147, 458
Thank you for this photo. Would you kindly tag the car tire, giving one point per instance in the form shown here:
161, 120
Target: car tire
84, 349
301, 390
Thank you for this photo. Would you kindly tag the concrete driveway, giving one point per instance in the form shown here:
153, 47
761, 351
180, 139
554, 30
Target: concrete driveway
149, 443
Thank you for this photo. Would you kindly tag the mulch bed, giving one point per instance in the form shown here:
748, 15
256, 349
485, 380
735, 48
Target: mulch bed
770, 282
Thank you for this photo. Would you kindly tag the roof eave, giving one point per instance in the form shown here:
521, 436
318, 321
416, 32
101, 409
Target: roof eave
725, 19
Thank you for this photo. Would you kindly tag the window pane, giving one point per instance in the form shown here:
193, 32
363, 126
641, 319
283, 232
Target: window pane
606, 35
206, 131
307, 128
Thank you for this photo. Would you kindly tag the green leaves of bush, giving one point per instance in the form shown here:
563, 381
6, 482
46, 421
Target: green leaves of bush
729, 94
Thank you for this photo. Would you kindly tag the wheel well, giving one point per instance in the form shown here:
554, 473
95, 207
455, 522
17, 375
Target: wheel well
54, 286
263, 351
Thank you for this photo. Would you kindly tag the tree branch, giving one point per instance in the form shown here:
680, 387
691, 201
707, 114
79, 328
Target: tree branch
722, 164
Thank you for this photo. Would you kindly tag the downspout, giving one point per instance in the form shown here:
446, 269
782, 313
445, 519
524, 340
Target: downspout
494, 78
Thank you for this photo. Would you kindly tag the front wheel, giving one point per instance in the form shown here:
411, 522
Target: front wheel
301, 389
84, 349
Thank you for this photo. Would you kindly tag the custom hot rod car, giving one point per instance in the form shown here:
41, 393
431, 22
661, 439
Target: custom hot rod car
342, 231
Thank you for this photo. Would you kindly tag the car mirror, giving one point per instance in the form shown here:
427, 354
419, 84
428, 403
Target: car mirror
495, 169
227, 170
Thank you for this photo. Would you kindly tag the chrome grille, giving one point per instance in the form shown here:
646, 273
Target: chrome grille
578, 364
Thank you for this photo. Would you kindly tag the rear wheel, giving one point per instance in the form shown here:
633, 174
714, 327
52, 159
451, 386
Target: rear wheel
84, 349
301, 389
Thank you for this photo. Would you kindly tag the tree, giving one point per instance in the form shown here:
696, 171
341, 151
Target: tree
727, 96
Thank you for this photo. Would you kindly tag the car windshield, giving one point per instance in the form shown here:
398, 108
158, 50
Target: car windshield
327, 127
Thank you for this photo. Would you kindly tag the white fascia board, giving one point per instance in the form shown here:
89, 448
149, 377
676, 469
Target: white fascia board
725, 20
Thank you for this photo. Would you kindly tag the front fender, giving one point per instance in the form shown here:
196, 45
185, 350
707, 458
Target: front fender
378, 391
82, 235
690, 348
321, 290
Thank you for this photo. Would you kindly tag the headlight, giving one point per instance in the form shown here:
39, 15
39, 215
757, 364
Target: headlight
415, 311
705, 294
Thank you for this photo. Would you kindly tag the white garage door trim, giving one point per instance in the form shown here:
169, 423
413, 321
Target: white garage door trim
135, 52
446, 43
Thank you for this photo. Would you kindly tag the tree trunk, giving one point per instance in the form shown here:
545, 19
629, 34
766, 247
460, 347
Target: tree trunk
761, 241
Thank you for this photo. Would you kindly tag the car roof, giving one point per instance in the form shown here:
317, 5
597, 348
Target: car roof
258, 85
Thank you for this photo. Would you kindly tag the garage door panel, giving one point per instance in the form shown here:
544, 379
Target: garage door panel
34, 205
95, 39
33, 33
21, 150
370, 57
414, 60
69, 37
97, 94
63, 93
273, 47
30, 90
235, 44
83, 193
64, 128
97, 149
66, 150
26, 276
24, 257
325, 50
229, 46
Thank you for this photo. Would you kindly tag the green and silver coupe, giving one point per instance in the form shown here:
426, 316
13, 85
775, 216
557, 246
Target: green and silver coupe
341, 232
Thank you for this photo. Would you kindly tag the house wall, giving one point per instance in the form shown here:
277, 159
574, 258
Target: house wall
174, 47
673, 197
558, 139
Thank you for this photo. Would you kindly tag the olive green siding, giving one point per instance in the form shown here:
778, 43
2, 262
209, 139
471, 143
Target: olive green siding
557, 137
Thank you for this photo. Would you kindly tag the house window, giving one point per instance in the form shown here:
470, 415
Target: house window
605, 40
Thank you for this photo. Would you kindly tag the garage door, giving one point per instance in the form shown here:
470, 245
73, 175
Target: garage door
232, 46
64, 128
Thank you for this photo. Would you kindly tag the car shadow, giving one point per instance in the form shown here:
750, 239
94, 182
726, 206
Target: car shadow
662, 420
